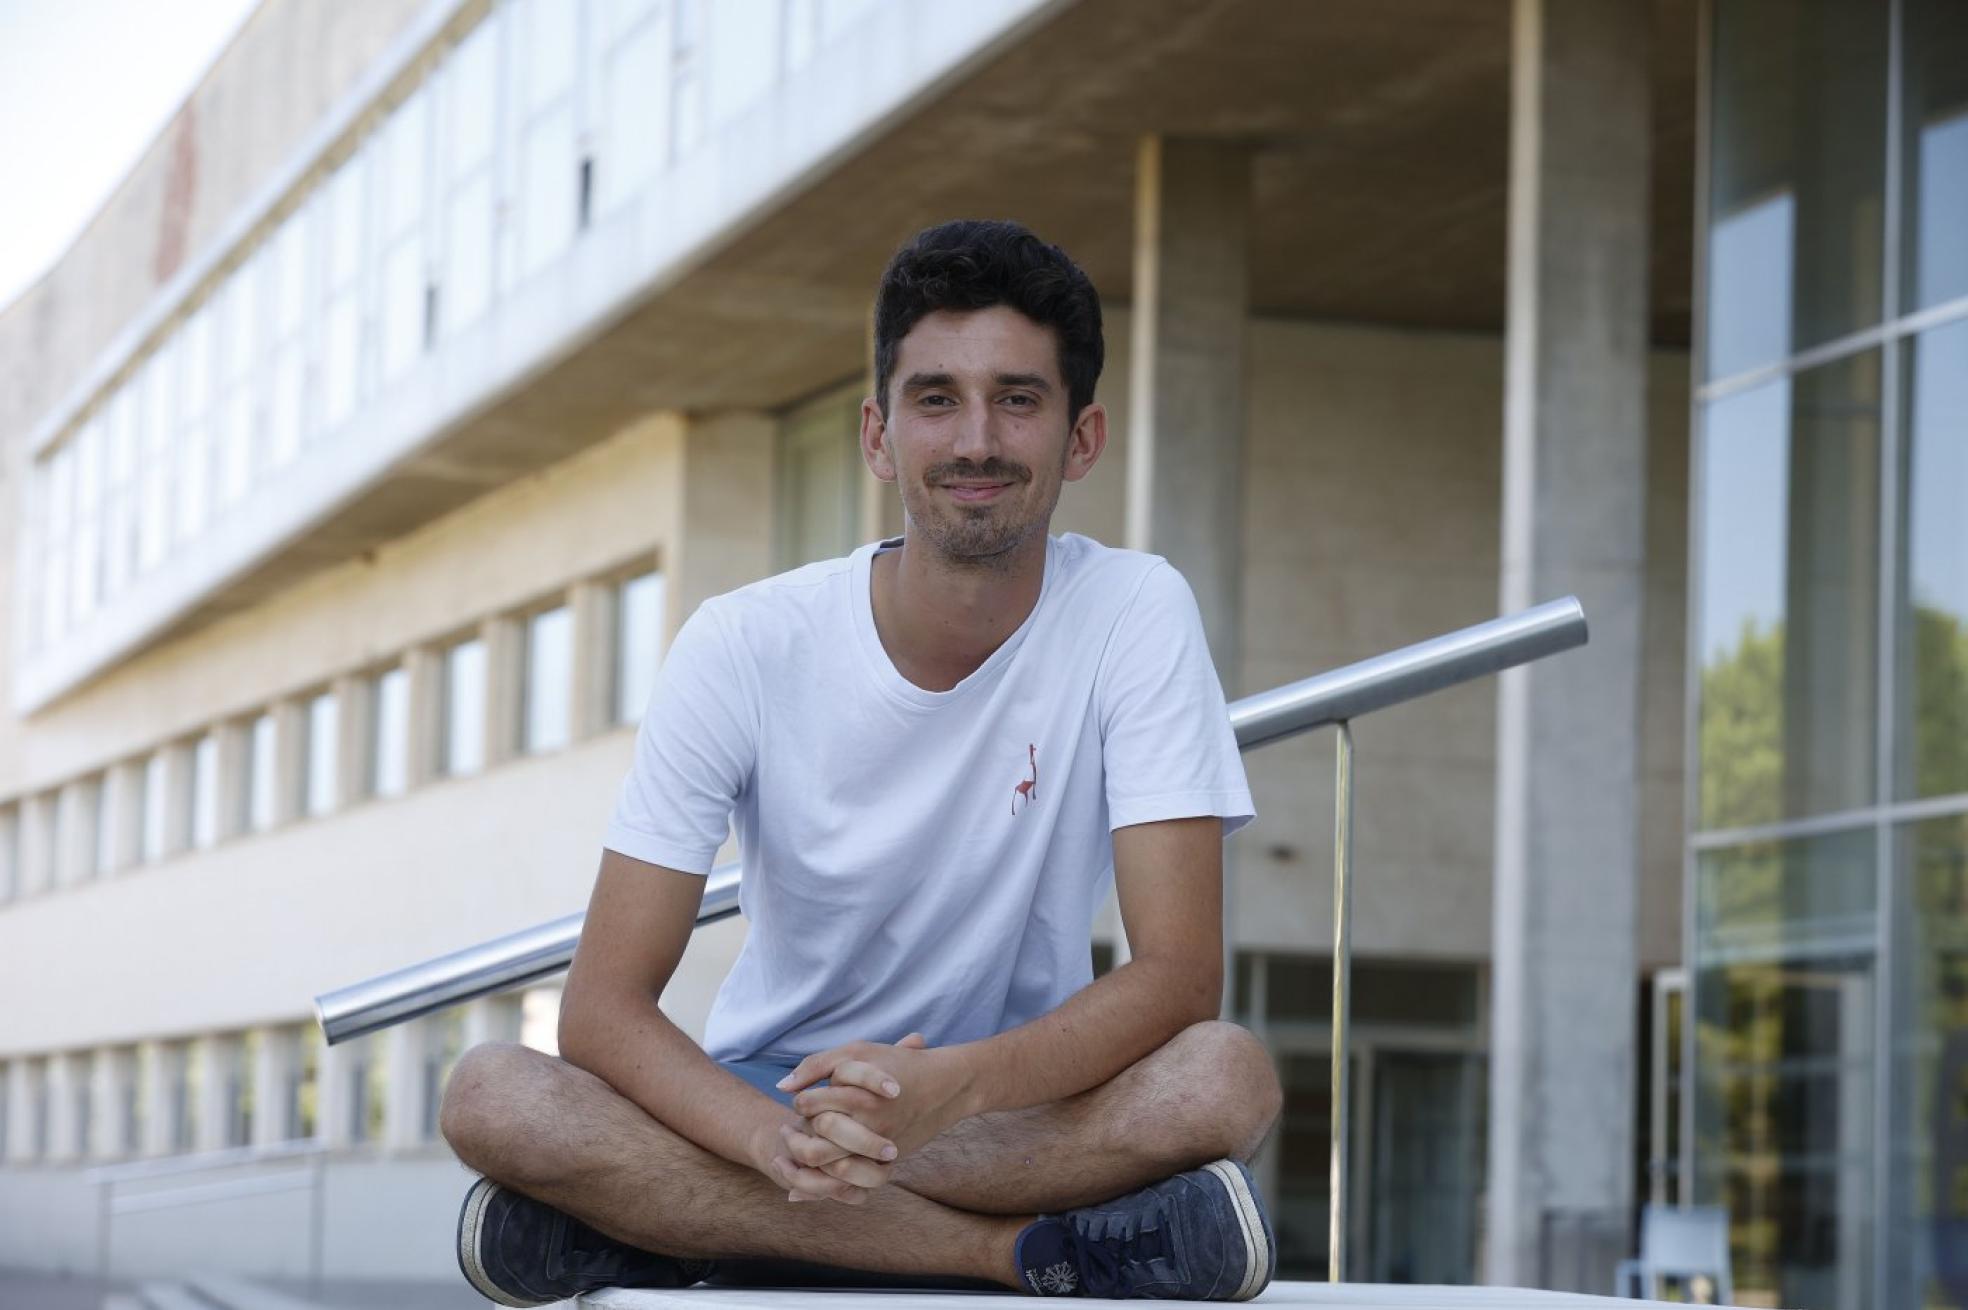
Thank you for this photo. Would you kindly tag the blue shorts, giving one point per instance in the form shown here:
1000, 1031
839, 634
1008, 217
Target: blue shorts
762, 1074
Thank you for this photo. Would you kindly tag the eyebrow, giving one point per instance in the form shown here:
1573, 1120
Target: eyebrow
929, 381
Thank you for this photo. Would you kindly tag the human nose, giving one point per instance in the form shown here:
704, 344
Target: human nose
975, 438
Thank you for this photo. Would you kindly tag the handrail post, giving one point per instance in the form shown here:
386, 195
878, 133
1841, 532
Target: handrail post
1342, 1001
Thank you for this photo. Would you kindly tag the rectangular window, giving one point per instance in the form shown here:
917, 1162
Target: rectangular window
286, 404
464, 708
638, 643
342, 374
404, 169
205, 791
240, 339
549, 189
159, 427
59, 509
156, 803
470, 118
635, 73
389, 763
87, 562
262, 773
194, 425
549, 679
324, 721
120, 490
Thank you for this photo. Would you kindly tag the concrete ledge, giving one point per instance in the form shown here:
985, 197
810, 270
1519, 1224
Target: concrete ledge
1343, 1296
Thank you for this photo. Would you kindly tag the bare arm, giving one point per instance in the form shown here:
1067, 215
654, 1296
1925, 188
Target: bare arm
640, 918
1170, 879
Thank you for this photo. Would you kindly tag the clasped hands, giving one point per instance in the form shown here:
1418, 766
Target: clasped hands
881, 1103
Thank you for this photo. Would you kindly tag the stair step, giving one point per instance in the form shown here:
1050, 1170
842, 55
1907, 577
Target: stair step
171, 1296
239, 1294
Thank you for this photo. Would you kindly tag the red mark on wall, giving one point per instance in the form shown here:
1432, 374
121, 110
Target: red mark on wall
180, 190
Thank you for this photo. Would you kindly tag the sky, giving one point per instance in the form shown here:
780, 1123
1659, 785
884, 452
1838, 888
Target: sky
85, 86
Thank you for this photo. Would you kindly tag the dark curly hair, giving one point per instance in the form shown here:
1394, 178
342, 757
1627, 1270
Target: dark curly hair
974, 264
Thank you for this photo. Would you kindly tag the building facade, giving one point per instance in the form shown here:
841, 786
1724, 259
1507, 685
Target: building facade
441, 355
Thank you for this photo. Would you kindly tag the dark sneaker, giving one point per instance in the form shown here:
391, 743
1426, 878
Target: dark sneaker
518, 1251
1200, 1236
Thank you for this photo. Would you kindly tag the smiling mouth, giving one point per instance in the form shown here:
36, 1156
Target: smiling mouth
975, 492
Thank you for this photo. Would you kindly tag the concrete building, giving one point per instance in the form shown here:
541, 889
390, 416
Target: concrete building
441, 355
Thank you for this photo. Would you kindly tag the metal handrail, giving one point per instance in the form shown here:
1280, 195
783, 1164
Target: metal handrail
1322, 700
1327, 699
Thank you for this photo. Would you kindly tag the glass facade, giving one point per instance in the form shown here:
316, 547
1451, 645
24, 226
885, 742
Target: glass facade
1829, 861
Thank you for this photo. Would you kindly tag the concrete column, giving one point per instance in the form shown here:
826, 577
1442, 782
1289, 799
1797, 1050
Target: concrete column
425, 667
10, 830
723, 511
178, 767
75, 829
593, 606
275, 1064
492, 1019
38, 851
111, 1084
233, 777
123, 792
289, 760
405, 1048
219, 1075
1185, 438
163, 1086
356, 696
68, 1106
1568, 729
335, 1090
24, 1109
505, 669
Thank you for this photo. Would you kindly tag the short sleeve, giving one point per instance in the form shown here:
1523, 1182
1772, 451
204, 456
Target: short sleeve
693, 753
1166, 740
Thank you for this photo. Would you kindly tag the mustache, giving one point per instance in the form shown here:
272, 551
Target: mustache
991, 470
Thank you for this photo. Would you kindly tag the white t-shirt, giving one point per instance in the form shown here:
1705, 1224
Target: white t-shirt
923, 860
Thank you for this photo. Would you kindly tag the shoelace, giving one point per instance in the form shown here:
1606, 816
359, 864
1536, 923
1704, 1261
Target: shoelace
1115, 1251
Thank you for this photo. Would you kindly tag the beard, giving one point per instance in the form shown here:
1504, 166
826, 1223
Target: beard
982, 536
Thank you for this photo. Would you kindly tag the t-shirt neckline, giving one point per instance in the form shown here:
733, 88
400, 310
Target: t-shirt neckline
882, 669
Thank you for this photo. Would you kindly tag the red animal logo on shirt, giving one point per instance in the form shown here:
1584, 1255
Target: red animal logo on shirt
1027, 788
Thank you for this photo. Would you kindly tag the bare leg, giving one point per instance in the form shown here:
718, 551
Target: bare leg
1210, 1092
561, 1135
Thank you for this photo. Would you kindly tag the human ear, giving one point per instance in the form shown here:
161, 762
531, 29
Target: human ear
874, 442
1085, 442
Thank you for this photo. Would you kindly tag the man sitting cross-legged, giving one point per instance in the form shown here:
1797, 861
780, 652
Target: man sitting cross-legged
936, 750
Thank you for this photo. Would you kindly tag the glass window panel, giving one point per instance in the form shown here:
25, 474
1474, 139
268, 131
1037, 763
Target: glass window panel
290, 276
1796, 182
262, 773
240, 320
9, 857
549, 679
195, 364
323, 752
464, 708
406, 159
802, 31
637, 137
1789, 584
402, 310
547, 51
87, 574
346, 213
343, 331
1933, 632
285, 405
550, 191
120, 520
1784, 950
619, 17
467, 287
389, 768
1927, 1174
842, 14
156, 802
54, 594
744, 37
639, 644
236, 446
194, 478
472, 108
205, 791
1936, 156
